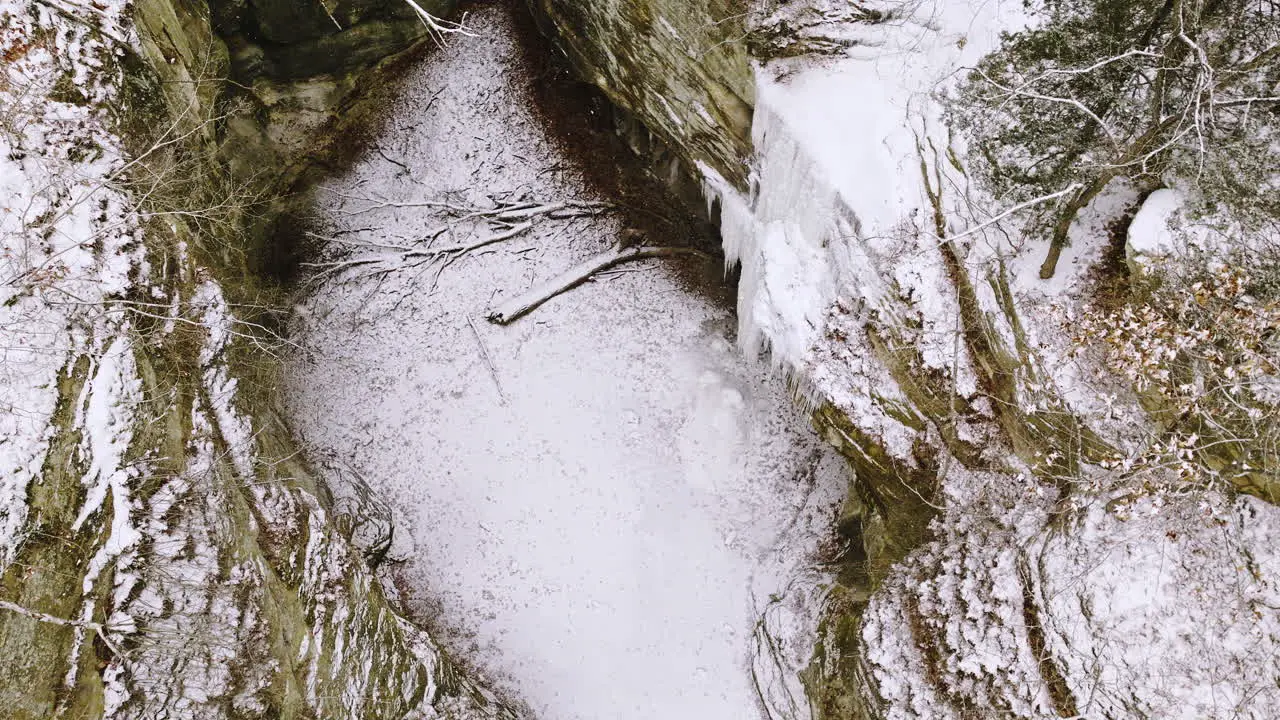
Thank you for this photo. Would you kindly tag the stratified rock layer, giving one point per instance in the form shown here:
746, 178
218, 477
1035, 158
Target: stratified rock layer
907, 306
167, 553
678, 67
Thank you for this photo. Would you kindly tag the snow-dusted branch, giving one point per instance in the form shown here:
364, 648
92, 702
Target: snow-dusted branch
98, 628
504, 221
1014, 210
409, 256
488, 361
1173, 93
524, 303
437, 27
1024, 91
503, 210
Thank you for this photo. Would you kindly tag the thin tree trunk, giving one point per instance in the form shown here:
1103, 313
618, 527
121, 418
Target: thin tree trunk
1068, 216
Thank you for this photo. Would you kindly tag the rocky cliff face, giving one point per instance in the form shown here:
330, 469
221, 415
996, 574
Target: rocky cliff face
1008, 457
1052, 502
278, 73
166, 552
678, 68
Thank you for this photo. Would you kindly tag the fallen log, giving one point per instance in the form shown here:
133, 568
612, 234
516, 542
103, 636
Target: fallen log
524, 303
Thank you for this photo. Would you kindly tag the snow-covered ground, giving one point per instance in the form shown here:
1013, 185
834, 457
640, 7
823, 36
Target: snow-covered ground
604, 496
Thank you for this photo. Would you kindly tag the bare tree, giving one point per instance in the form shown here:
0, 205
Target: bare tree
1104, 89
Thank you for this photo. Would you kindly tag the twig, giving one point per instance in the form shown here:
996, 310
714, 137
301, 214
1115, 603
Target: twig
98, 628
436, 27
410, 257
484, 353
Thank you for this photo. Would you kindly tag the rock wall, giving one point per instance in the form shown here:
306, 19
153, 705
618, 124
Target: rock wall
907, 308
278, 74
676, 67
169, 553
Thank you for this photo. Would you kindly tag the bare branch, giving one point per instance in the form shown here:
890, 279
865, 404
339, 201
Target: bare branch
97, 628
524, 303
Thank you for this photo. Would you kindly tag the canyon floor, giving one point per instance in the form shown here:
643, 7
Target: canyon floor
600, 501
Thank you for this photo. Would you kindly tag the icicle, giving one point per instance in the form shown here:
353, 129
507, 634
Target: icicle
784, 240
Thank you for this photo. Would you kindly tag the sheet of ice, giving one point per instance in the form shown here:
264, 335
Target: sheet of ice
837, 166
838, 226
604, 494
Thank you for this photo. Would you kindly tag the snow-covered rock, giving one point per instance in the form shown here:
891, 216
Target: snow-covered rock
165, 553
908, 305
1133, 606
1151, 237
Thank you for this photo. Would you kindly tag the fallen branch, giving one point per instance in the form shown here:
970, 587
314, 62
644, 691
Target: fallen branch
406, 256
463, 249
437, 27
98, 628
505, 220
502, 209
524, 303
484, 353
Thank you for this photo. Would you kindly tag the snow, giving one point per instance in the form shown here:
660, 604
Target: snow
1048, 311
836, 234
614, 513
1166, 589
1166, 227
190, 585
174, 669
70, 248
1150, 232
219, 323
107, 424
1149, 604
601, 510
836, 224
